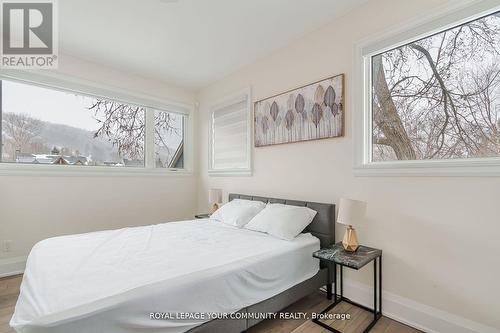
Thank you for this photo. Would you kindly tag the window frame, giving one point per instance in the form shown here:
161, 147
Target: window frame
82, 87
228, 100
150, 157
443, 18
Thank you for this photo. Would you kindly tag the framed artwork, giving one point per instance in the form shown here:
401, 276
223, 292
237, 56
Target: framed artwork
311, 112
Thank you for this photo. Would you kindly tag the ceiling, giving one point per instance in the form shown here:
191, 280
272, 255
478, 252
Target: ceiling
190, 43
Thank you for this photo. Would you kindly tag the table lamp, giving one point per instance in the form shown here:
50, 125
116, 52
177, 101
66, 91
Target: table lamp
350, 212
214, 198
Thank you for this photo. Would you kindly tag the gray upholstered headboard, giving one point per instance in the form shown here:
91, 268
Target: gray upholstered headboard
323, 224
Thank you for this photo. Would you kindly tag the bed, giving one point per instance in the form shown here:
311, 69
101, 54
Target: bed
171, 277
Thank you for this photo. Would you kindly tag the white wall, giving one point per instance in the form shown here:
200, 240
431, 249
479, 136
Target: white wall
439, 235
33, 208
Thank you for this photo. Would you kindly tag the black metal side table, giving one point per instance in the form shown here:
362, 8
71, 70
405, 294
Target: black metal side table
337, 256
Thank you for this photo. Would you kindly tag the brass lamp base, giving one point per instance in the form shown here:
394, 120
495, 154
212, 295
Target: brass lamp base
350, 241
215, 206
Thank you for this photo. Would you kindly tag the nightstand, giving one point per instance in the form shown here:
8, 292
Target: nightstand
336, 256
202, 216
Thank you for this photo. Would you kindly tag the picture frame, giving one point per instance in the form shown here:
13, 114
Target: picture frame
310, 112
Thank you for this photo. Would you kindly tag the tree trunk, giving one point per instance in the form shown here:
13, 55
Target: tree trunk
386, 116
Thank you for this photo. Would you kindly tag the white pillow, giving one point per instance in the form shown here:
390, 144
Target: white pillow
238, 212
282, 221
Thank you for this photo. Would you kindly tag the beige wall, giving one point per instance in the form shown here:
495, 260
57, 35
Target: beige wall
116, 78
33, 208
439, 235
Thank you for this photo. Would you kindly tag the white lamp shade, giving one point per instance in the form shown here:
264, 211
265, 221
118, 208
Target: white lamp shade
351, 211
215, 195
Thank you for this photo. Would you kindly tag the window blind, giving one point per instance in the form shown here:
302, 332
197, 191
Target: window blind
230, 135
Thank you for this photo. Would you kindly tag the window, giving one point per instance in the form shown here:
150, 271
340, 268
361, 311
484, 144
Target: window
435, 98
169, 140
46, 126
230, 138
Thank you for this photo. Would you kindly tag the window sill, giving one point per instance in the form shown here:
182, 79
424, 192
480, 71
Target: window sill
230, 173
7, 169
446, 168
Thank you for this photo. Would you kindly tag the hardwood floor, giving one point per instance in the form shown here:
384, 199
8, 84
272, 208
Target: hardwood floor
317, 302
9, 290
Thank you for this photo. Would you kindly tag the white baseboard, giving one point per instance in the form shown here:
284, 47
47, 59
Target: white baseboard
12, 266
417, 315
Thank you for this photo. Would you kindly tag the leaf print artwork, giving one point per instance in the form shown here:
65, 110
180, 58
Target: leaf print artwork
274, 110
319, 95
265, 125
299, 103
335, 109
302, 115
317, 114
311, 112
289, 117
329, 96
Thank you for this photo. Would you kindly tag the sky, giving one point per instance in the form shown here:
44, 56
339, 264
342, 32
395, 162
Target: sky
48, 105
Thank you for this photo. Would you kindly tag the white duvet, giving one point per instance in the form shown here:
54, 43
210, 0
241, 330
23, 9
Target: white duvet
112, 281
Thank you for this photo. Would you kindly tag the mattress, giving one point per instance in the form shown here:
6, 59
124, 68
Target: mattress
167, 277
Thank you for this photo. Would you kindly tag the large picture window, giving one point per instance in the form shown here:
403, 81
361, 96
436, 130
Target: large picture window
439, 97
45, 126
429, 97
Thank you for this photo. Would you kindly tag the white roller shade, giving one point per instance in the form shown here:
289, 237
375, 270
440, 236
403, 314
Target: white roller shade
230, 135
